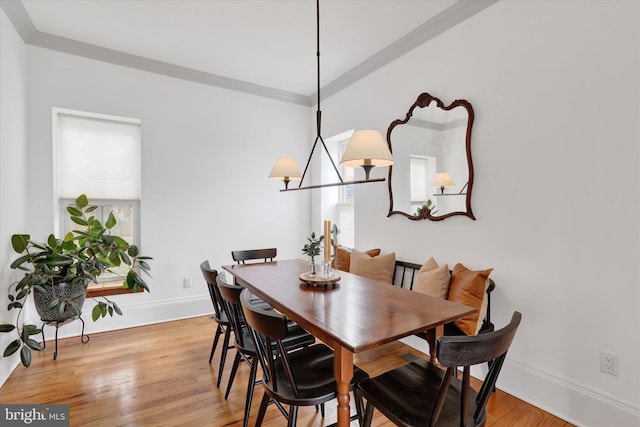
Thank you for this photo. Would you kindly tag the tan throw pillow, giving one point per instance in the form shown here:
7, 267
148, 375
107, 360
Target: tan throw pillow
468, 287
377, 268
342, 259
433, 280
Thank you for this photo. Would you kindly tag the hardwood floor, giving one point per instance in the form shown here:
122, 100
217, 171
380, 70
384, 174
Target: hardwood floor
158, 375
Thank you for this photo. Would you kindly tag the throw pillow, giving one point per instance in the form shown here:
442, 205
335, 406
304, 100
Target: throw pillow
377, 268
468, 287
342, 259
433, 280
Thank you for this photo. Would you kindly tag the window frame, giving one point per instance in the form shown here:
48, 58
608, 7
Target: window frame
109, 285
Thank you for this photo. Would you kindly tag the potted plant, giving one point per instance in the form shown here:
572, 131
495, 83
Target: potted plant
427, 209
59, 271
312, 249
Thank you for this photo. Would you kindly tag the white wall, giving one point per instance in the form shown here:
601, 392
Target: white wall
556, 91
206, 156
556, 94
13, 162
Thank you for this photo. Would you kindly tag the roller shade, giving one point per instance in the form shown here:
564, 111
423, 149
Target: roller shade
99, 158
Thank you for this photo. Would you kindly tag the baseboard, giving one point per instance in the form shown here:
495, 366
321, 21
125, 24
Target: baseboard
8, 366
571, 402
574, 403
136, 315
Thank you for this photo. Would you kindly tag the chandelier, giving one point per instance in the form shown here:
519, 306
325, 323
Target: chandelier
366, 148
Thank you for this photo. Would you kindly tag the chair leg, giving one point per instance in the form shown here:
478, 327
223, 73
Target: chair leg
250, 387
368, 414
223, 356
358, 401
263, 409
236, 362
215, 342
293, 416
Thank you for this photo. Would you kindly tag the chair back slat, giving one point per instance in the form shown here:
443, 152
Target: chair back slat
466, 351
210, 276
405, 269
231, 297
265, 322
267, 254
268, 328
475, 349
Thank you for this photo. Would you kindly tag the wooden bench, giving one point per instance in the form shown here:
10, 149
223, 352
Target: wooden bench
404, 275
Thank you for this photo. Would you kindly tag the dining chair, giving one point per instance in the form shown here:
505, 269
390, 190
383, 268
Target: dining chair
422, 394
296, 378
223, 327
244, 344
254, 254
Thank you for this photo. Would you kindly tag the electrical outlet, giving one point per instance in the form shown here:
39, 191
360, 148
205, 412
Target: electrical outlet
186, 282
609, 362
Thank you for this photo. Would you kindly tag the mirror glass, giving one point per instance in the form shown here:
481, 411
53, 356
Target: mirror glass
432, 174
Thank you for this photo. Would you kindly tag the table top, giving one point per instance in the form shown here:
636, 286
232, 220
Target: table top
358, 314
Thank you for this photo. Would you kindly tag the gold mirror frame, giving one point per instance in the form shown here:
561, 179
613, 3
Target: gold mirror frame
423, 101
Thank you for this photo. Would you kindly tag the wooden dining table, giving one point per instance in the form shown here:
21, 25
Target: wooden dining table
356, 315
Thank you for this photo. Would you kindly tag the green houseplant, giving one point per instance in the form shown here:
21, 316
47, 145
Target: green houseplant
59, 271
312, 249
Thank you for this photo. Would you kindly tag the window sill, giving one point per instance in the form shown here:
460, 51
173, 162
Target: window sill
108, 288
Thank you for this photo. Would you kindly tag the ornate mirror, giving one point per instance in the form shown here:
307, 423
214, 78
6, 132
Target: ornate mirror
432, 174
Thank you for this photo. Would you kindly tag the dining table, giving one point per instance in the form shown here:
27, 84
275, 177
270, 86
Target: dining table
353, 315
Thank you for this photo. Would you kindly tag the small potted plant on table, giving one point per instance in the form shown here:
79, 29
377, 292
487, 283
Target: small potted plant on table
312, 249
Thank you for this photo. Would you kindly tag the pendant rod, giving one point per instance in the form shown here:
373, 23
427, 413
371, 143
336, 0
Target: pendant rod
318, 59
318, 112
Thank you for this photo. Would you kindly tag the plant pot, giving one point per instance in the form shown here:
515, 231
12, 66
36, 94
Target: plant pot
313, 268
62, 292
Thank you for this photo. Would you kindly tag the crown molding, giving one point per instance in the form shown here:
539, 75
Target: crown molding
19, 17
74, 47
448, 18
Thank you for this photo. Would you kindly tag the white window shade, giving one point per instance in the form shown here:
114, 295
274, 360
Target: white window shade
99, 158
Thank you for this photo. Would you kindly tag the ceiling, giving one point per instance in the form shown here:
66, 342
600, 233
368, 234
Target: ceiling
259, 45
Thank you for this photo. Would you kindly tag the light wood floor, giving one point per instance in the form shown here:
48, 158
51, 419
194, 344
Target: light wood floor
159, 375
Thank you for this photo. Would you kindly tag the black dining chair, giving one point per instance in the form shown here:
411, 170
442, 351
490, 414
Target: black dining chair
422, 394
244, 344
223, 327
254, 254
296, 378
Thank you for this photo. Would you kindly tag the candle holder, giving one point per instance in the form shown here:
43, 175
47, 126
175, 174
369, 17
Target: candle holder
327, 270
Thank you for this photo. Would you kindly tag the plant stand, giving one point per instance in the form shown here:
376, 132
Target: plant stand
83, 338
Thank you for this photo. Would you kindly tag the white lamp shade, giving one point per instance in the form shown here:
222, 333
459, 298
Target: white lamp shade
367, 147
443, 179
285, 168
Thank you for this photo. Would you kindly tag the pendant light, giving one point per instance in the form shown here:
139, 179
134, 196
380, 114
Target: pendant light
366, 148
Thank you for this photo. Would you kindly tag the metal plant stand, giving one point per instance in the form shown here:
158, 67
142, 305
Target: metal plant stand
83, 338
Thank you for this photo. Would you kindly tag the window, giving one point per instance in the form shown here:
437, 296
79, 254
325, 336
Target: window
337, 203
422, 171
100, 156
347, 192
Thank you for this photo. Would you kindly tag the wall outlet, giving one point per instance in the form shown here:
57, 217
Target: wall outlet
186, 282
609, 362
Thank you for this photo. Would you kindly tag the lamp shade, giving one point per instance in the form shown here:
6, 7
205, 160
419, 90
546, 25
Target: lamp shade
367, 147
285, 168
443, 179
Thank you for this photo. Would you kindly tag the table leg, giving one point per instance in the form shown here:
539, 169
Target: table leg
343, 371
432, 336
